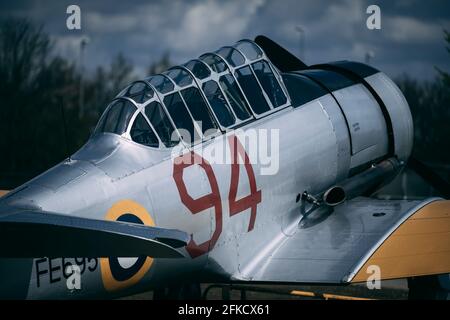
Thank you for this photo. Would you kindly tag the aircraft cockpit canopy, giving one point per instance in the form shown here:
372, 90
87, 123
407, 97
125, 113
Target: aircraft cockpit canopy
199, 99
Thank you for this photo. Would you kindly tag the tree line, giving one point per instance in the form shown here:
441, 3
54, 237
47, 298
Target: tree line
40, 118
430, 107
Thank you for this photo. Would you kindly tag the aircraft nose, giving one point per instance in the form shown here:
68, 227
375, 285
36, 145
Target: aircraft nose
25, 197
64, 188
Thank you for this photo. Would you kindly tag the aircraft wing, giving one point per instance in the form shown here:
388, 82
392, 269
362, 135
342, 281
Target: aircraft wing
32, 233
403, 238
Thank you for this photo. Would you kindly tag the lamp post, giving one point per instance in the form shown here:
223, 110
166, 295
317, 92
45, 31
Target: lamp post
301, 32
84, 41
369, 55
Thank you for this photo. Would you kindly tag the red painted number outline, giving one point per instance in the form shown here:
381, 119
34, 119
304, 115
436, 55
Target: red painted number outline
213, 199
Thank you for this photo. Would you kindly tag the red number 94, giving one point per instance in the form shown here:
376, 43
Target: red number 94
213, 199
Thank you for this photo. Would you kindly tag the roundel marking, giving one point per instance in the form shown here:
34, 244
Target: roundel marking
114, 275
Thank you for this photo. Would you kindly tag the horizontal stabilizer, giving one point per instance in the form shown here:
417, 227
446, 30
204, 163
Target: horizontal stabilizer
32, 234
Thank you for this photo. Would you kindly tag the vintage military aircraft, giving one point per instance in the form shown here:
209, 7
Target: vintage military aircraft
144, 206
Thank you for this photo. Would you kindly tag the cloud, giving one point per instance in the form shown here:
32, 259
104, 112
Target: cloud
214, 23
409, 30
182, 27
67, 46
110, 23
143, 30
341, 19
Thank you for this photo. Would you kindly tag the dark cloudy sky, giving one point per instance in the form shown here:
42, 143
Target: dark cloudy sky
410, 40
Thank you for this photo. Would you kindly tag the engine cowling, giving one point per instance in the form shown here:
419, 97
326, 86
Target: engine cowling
378, 121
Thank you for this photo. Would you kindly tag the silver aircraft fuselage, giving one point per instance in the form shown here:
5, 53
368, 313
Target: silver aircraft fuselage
320, 143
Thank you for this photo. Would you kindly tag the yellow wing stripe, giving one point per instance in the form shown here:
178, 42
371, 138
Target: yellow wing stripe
420, 246
326, 296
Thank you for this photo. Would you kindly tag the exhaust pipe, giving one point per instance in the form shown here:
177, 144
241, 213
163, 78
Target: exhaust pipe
362, 183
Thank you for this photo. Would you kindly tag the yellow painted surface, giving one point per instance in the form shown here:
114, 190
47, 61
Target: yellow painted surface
329, 296
419, 246
303, 293
326, 296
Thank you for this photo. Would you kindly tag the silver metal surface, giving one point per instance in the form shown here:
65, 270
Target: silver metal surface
334, 250
399, 112
366, 123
